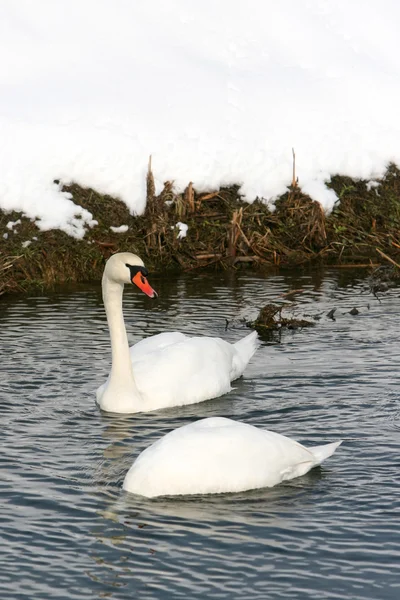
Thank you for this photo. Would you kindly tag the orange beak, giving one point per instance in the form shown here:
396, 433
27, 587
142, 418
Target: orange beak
140, 280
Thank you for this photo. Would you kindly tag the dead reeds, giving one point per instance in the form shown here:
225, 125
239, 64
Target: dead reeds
7, 281
223, 232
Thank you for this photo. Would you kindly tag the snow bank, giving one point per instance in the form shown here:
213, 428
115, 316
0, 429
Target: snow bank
217, 92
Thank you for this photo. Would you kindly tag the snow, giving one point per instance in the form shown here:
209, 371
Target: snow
217, 92
120, 229
11, 224
372, 184
183, 229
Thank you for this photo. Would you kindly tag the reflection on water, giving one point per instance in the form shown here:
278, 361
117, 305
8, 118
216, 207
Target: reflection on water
69, 531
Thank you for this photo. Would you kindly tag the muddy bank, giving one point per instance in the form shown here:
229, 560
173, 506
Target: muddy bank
223, 233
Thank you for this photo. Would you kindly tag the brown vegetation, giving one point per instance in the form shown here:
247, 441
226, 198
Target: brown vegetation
224, 232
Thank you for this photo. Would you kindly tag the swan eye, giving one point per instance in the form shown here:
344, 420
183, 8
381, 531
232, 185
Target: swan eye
135, 269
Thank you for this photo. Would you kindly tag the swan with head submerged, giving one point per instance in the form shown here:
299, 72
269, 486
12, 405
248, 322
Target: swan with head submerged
168, 369
218, 455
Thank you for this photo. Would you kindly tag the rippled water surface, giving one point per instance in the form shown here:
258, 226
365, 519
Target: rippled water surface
69, 531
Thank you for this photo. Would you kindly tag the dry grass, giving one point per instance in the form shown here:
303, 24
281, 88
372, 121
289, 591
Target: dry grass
7, 282
224, 232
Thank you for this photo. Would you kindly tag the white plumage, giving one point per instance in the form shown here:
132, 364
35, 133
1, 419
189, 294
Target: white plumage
218, 455
169, 369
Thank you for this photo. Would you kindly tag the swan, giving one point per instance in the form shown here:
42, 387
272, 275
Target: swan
168, 369
219, 455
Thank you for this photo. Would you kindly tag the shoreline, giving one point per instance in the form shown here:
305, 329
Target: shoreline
224, 232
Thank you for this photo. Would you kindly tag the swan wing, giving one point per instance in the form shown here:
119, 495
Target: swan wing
172, 369
155, 342
185, 372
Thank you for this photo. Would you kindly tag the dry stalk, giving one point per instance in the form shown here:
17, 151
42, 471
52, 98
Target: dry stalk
317, 231
295, 180
189, 197
150, 185
152, 236
234, 232
246, 259
243, 234
167, 194
209, 196
388, 258
208, 256
180, 206
355, 265
8, 262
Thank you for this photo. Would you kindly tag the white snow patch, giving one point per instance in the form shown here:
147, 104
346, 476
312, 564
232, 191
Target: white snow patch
217, 92
317, 190
26, 244
120, 229
5, 236
11, 224
183, 228
372, 184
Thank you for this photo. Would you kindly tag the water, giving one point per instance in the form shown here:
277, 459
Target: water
67, 529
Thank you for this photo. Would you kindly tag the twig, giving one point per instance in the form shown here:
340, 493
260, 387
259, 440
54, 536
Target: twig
249, 259
209, 215
243, 235
189, 196
294, 180
209, 196
388, 258
202, 266
234, 232
150, 185
207, 256
8, 265
355, 265
105, 244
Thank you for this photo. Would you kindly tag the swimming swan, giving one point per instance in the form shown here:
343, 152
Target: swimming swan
168, 369
218, 455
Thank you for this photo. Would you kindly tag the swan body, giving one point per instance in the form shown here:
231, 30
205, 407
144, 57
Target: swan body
219, 455
165, 370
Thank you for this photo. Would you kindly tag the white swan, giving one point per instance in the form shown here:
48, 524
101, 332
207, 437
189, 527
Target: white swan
218, 455
169, 369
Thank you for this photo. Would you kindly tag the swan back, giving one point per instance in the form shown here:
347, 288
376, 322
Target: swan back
189, 370
218, 455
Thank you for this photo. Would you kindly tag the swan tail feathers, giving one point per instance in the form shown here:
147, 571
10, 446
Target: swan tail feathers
321, 453
245, 348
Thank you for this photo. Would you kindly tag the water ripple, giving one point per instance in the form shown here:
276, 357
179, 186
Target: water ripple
69, 531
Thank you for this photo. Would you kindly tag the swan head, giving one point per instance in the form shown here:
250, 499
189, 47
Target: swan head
125, 267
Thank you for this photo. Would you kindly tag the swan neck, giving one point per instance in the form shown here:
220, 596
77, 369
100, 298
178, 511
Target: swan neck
121, 374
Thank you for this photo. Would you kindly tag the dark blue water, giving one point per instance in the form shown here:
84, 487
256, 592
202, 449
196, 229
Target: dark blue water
67, 529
